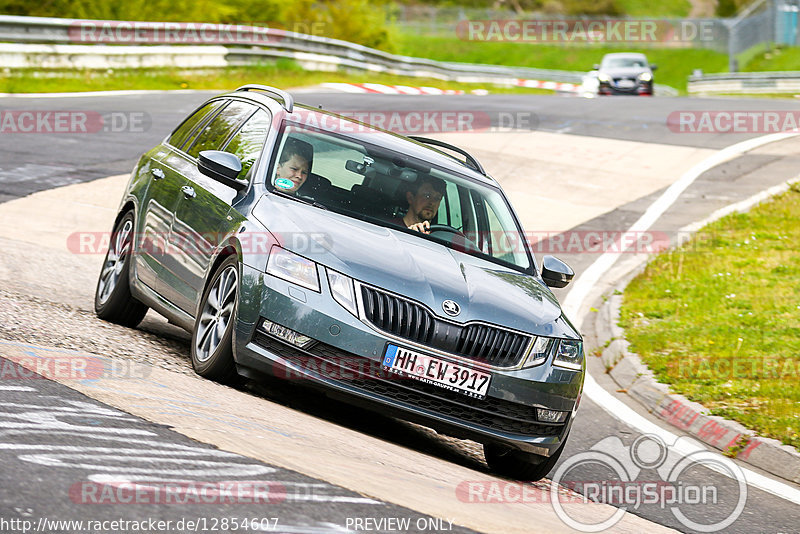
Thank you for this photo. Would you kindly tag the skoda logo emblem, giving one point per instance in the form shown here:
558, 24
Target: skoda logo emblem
451, 308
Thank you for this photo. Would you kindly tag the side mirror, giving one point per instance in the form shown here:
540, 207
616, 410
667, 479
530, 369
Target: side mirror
653, 67
555, 272
596, 67
223, 167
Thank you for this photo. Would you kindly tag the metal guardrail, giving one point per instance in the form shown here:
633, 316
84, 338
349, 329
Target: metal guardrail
321, 52
18, 29
326, 53
746, 83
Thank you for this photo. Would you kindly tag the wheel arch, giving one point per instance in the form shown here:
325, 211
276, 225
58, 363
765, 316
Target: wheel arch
129, 205
231, 247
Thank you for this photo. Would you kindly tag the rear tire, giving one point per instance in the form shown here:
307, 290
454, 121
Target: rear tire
113, 301
520, 465
212, 335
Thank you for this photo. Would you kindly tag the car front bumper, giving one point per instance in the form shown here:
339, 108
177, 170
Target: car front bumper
643, 89
346, 360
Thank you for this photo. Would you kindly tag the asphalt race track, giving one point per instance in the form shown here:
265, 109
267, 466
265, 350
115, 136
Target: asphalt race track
61, 447
52, 441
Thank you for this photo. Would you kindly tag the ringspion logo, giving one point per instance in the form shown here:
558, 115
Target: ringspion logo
647, 473
625, 481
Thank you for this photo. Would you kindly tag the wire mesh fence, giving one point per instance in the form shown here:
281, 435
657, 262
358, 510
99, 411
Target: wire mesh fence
762, 24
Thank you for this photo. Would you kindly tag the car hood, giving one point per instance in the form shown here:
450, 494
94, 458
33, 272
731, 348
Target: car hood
415, 267
624, 71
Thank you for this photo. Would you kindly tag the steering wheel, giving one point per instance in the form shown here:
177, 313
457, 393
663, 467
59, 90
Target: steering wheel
465, 244
447, 228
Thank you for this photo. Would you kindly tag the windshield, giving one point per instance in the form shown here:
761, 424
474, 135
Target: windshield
388, 188
622, 62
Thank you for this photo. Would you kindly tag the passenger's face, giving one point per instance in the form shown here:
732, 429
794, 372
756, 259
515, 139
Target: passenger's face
295, 169
425, 204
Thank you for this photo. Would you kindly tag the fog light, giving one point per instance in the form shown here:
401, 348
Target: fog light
286, 334
551, 416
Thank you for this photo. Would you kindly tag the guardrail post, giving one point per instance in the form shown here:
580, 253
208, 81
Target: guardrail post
732, 63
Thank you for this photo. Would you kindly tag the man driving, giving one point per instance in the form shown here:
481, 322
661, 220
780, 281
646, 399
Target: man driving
423, 197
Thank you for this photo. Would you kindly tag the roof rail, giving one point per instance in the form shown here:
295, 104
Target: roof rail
288, 100
470, 160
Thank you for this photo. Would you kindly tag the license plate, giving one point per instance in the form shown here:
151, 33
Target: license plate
441, 373
626, 84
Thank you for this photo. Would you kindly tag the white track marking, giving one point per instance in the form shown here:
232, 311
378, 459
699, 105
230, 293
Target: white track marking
344, 87
16, 388
586, 281
621, 411
406, 90
595, 272
742, 206
385, 89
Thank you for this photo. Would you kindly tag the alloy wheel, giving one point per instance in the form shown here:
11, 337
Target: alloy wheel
217, 314
118, 251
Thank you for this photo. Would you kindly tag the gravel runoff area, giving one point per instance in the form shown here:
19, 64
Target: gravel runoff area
37, 320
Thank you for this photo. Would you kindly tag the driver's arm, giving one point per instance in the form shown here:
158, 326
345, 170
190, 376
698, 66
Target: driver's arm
424, 227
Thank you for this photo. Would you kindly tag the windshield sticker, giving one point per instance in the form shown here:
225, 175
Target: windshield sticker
284, 183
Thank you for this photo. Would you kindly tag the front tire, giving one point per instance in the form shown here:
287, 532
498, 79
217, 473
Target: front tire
212, 336
112, 299
520, 465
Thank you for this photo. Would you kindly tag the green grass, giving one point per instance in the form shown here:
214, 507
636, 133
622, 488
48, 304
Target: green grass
647, 8
751, 96
633, 8
282, 74
784, 58
719, 319
674, 65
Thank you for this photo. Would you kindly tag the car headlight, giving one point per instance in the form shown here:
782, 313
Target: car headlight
645, 76
603, 78
293, 268
569, 354
542, 346
343, 291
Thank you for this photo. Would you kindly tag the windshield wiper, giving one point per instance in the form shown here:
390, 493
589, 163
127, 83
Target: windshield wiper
309, 200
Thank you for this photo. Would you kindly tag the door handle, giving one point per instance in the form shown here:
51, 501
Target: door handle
158, 174
188, 191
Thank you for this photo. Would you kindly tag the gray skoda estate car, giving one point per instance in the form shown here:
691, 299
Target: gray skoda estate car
276, 234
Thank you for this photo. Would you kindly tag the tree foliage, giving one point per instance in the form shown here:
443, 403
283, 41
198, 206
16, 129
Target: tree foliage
353, 20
